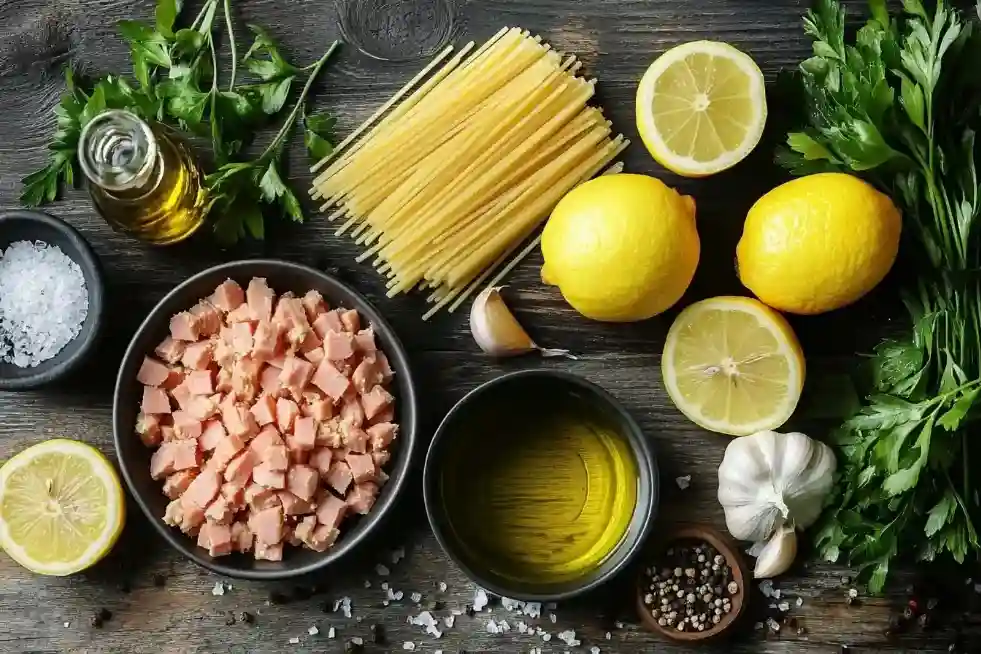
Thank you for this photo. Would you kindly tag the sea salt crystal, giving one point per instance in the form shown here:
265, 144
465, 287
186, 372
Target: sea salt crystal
505, 627
449, 620
331, 633
367, 584
344, 604
43, 302
683, 482
609, 635
442, 586
569, 638
594, 650
618, 624
219, 589
416, 597
766, 587
313, 631
294, 641
68, 624
553, 618
357, 640
385, 585
776, 593
409, 646
480, 600
546, 636
784, 607
799, 602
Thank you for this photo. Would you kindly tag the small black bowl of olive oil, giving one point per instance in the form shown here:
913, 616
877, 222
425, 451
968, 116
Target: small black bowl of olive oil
540, 485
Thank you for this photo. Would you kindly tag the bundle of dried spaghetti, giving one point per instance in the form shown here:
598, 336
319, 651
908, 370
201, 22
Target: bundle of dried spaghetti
443, 184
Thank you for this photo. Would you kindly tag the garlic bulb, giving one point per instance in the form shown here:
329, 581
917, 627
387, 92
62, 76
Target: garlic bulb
770, 479
778, 554
498, 332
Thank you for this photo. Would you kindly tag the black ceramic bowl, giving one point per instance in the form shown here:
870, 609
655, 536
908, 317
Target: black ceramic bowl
134, 458
499, 400
36, 226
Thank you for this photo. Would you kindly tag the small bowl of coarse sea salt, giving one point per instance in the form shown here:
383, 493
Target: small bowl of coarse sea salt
50, 299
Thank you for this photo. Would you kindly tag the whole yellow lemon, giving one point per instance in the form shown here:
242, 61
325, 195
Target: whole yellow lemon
818, 243
621, 247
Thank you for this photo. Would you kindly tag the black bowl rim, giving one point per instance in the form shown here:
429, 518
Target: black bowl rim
88, 262
648, 458
393, 487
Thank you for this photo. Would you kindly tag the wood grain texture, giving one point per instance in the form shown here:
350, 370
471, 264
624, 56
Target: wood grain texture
617, 39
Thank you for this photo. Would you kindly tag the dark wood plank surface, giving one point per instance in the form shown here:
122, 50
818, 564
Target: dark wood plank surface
161, 603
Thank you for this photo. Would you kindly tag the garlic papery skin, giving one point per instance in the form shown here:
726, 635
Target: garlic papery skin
496, 330
778, 554
769, 479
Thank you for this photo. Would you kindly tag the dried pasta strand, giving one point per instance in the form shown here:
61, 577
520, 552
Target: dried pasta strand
456, 173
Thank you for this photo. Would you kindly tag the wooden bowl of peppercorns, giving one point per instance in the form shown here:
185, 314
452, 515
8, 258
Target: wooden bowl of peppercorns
693, 585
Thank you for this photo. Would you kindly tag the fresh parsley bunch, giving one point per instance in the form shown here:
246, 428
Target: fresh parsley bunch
899, 106
176, 73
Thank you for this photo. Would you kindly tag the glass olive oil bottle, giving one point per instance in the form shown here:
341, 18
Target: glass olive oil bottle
142, 178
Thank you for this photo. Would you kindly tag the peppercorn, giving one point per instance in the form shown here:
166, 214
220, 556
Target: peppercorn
230, 619
159, 580
469, 610
378, 634
96, 621
908, 613
105, 614
246, 617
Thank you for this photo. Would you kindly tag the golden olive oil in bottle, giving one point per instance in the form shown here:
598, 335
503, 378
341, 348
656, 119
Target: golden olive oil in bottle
143, 179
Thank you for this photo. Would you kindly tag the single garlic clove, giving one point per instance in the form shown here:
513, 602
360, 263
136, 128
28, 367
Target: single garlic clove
495, 328
498, 332
778, 554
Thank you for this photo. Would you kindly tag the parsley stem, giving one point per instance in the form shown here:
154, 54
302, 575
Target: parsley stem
231, 44
291, 119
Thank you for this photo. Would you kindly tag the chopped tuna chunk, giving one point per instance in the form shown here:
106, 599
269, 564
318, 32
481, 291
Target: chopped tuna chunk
152, 372
187, 456
381, 457
384, 366
367, 374
302, 481
227, 449
209, 320
167, 433
269, 381
199, 382
198, 356
304, 528
268, 525
219, 512
242, 338
184, 327
364, 341
314, 356
217, 538
381, 435
186, 518
375, 401
339, 476
265, 341
267, 437
362, 497
338, 345
362, 467
170, 350
239, 468
317, 408
223, 381
327, 322
351, 321
212, 434
175, 377
234, 494
385, 415
202, 490
320, 459
201, 407
352, 413
293, 505
305, 433
148, 428
276, 457
228, 296
264, 475
238, 421
187, 426
245, 378
331, 511
286, 413
329, 379
155, 400
177, 483
354, 439
259, 497
264, 552
264, 410
329, 434
241, 537
296, 373
314, 304
162, 462
260, 299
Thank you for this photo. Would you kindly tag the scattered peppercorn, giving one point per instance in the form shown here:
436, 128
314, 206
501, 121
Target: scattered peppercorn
95, 621
378, 634
246, 617
924, 620
276, 597
353, 646
159, 580
468, 609
230, 618
908, 613
105, 614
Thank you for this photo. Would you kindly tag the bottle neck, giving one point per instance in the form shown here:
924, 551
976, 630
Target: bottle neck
118, 152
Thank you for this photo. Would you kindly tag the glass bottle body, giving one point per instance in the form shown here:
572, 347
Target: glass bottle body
143, 178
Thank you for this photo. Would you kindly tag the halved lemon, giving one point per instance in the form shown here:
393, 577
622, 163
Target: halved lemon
61, 507
733, 365
701, 108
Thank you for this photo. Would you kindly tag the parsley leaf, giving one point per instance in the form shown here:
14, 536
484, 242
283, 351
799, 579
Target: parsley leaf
318, 130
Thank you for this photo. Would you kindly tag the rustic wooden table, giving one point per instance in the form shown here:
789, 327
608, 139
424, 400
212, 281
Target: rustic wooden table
162, 603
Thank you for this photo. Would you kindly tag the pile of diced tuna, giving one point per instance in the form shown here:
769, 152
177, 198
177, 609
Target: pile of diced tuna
270, 418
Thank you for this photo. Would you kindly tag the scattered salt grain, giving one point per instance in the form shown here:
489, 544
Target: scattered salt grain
367, 584
609, 635
546, 636
505, 627
977, 588
68, 624
456, 612
449, 620
683, 482
382, 570
773, 625
553, 618
219, 589
480, 600
766, 587
776, 593
331, 633
853, 593
758, 626
357, 640
313, 631
535, 650
594, 650
427, 621
521, 627
618, 624
43, 302
416, 597
397, 555
569, 638
442, 586
385, 585
492, 627
799, 602
409, 646
784, 607
344, 605
294, 641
